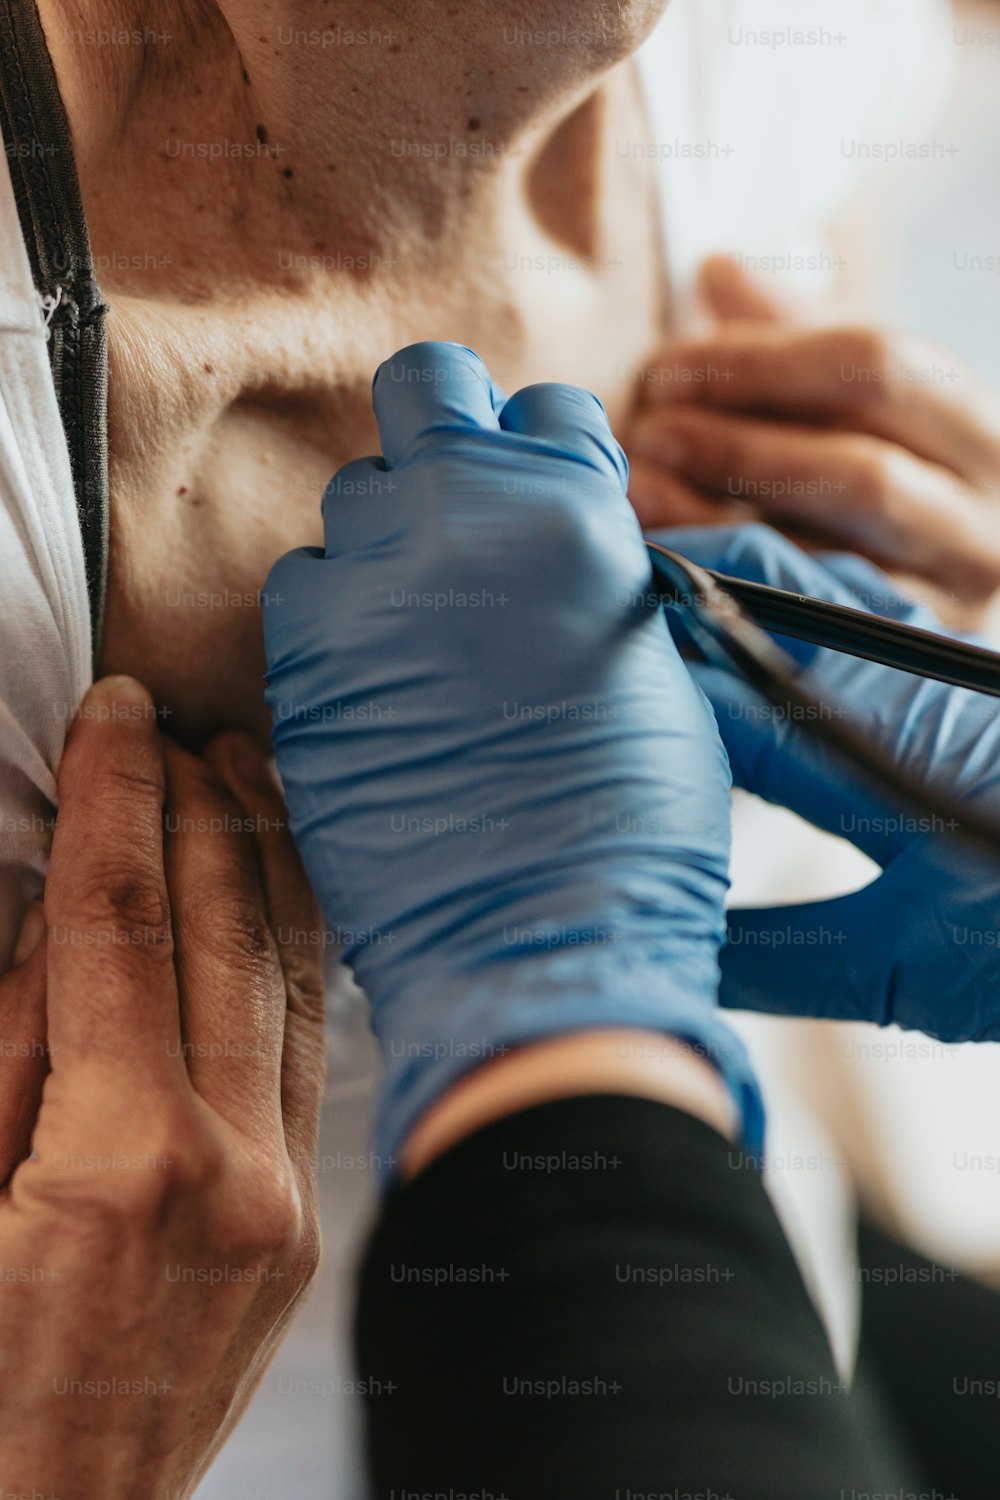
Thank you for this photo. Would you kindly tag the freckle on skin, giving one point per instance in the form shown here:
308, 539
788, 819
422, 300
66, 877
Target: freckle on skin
209, 369
262, 135
473, 124
287, 172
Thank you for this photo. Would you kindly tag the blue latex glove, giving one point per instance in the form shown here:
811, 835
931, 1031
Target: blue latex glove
511, 799
920, 946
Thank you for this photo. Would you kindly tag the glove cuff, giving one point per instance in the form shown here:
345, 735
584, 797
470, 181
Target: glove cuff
463, 1025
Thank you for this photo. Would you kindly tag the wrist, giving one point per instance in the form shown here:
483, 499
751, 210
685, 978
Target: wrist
643, 1064
435, 1035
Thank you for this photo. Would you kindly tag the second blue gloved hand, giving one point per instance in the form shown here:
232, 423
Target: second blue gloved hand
920, 946
510, 796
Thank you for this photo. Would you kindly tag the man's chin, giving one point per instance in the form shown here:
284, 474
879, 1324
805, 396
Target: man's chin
627, 24
610, 30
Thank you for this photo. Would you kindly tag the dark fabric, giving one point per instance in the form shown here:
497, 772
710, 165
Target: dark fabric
39, 152
931, 1343
617, 1242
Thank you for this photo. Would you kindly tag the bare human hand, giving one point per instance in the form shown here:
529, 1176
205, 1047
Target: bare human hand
158, 1239
842, 436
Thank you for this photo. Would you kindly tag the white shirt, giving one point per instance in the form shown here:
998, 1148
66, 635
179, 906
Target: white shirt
45, 654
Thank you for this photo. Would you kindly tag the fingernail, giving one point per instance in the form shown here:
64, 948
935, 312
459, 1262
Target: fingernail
119, 692
31, 933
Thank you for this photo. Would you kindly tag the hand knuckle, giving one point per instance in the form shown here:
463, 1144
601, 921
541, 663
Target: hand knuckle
755, 551
132, 1187
304, 987
568, 525
116, 895
120, 785
277, 1229
270, 1222
752, 362
868, 360
736, 470
234, 923
873, 474
310, 1253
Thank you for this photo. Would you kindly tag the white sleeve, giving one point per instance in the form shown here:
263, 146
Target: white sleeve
45, 654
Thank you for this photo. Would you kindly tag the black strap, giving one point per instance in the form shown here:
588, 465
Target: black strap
39, 152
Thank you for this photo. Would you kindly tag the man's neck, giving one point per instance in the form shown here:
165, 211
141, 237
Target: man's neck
373, 130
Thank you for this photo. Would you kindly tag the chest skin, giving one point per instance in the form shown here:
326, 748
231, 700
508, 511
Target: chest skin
242, 349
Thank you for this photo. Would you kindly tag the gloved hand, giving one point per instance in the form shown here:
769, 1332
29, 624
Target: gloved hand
920, 946
510, 797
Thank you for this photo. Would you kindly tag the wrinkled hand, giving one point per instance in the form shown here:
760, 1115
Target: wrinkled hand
839, 436
157, 1240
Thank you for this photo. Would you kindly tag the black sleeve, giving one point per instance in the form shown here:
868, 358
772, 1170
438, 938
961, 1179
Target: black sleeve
930, 1342
593, 1299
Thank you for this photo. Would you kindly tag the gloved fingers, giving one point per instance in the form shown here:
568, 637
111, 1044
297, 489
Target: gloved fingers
498, 397
832, 960
761, 555
778, 757
570, 421
755, 552
360, 507
292, 625
877, 592
427, 387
